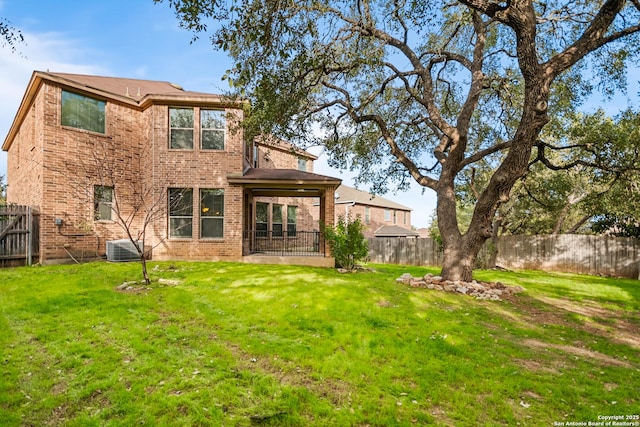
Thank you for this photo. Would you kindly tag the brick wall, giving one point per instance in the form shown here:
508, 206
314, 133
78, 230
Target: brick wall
56, 168
197, 169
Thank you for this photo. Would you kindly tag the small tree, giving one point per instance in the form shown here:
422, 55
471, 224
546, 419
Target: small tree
3, 191
347, 241
135, 205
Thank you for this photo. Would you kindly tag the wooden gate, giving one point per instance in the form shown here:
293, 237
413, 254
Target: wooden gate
19, 235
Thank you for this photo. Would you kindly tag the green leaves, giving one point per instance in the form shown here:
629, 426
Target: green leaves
347, 241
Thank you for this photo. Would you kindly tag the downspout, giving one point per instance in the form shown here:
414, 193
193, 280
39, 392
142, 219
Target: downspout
346, 210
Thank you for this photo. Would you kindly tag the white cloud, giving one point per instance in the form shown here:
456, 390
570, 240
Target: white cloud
41, 52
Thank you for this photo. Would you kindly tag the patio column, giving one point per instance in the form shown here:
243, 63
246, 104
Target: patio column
327, 215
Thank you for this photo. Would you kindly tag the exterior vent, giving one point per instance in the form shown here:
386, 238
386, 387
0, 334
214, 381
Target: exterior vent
122, 250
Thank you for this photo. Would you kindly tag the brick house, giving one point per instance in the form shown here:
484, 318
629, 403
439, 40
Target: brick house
382, 217
89, 152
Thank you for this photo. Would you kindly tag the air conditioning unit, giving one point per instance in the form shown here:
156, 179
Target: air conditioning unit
122, 250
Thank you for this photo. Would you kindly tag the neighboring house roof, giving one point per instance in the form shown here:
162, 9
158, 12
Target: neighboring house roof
282, 145
283, 182
394, 231
346, 194
135, 92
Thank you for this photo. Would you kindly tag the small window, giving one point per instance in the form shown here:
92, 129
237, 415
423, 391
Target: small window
367, 214
181, 213
102, 202
395, 217
82, 112
262, 219
291, 221
387, 215
276, 219
212, 213
405, 218
212, 124
181, 128
302, 164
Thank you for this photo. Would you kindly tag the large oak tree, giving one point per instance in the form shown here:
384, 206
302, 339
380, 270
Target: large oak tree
421, 89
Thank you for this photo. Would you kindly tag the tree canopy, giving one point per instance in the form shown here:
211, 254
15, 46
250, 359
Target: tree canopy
422, 90
9, 35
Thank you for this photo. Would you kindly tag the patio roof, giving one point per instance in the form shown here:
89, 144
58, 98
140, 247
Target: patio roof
284, 182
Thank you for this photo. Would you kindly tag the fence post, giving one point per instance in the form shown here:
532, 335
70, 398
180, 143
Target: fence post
29, 231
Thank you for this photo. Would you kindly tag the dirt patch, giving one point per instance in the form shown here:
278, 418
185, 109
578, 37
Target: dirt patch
599, 321
579, 352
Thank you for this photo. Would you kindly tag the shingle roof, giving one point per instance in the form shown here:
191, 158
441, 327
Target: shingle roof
135, 89
394, 231
259, 174
346, 194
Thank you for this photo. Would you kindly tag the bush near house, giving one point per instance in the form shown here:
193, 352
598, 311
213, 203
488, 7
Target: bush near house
347, 242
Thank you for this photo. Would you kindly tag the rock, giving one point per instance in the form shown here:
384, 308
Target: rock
431, 286
169, 282
462, 289
428, 277
450, 288
436, 279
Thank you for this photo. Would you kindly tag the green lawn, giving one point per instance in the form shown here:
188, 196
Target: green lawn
239, 344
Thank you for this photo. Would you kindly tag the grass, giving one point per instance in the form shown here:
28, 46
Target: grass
239, 344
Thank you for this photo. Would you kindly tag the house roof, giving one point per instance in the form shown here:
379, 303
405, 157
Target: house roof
135, 92
282, 145
394, 231
284, 182
346, 194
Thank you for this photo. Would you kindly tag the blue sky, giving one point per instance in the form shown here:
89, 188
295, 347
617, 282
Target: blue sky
127, 38
140, 39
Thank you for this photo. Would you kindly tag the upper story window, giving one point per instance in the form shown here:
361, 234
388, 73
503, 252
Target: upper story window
387, 215
82, 112
181, 128
212, 125
367, 215
302, 164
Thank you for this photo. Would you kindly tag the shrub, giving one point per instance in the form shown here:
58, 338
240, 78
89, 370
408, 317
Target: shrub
347, 242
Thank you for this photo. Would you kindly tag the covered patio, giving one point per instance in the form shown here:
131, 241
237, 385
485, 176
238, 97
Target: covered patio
286, 246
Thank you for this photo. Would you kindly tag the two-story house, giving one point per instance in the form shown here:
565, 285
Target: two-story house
92, 153
382, 217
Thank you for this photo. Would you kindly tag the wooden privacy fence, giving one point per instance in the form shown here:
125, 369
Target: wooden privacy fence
595, 255
19, 235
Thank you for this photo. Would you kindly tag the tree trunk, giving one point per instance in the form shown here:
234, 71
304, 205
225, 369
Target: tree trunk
145, 273
460, 256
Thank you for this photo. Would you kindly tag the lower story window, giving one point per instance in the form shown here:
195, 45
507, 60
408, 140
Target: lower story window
262, 219
212, 213
102, 202
181, 213
291, 221
277, 220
